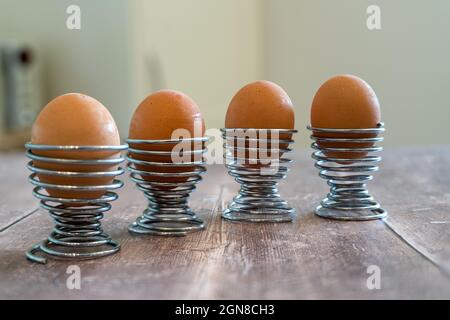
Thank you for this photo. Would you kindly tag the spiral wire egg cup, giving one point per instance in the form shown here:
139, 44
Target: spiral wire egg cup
77, 234
348, 198
258, 199
168, 212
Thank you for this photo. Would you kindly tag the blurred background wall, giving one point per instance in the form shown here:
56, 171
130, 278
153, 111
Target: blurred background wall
407, 62
95, 60
209, 49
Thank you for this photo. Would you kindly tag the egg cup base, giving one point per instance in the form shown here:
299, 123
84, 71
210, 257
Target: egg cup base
239, 216
138, 229
41, 252
152, 223
351, 215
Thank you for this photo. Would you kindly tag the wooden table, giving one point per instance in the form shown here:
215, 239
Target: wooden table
309, 258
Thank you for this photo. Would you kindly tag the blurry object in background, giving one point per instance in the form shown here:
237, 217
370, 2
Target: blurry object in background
21, 91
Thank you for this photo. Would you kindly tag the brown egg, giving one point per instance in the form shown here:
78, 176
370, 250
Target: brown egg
75, 120
261, 105
157, 118
345, 102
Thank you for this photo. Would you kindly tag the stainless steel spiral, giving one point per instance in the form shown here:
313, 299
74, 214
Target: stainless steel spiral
255, 159
347, 161
167, 185
77, 234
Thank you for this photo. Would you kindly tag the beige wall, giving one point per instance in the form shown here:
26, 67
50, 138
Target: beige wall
407, 62
128, 49
209, 49
94, 60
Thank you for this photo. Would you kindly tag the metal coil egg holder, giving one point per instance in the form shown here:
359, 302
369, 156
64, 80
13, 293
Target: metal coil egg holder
348, 198
168, 212
77, 233
258, 199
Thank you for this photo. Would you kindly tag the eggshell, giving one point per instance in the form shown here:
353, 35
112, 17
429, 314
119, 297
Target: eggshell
345, 102
261, 105
157, 118
75, 120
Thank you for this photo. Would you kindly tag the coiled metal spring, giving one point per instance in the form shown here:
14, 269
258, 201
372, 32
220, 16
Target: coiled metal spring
254, 158
167, 185
77, 233
346, 159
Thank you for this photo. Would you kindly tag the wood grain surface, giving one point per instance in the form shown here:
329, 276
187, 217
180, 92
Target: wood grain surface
308, 259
